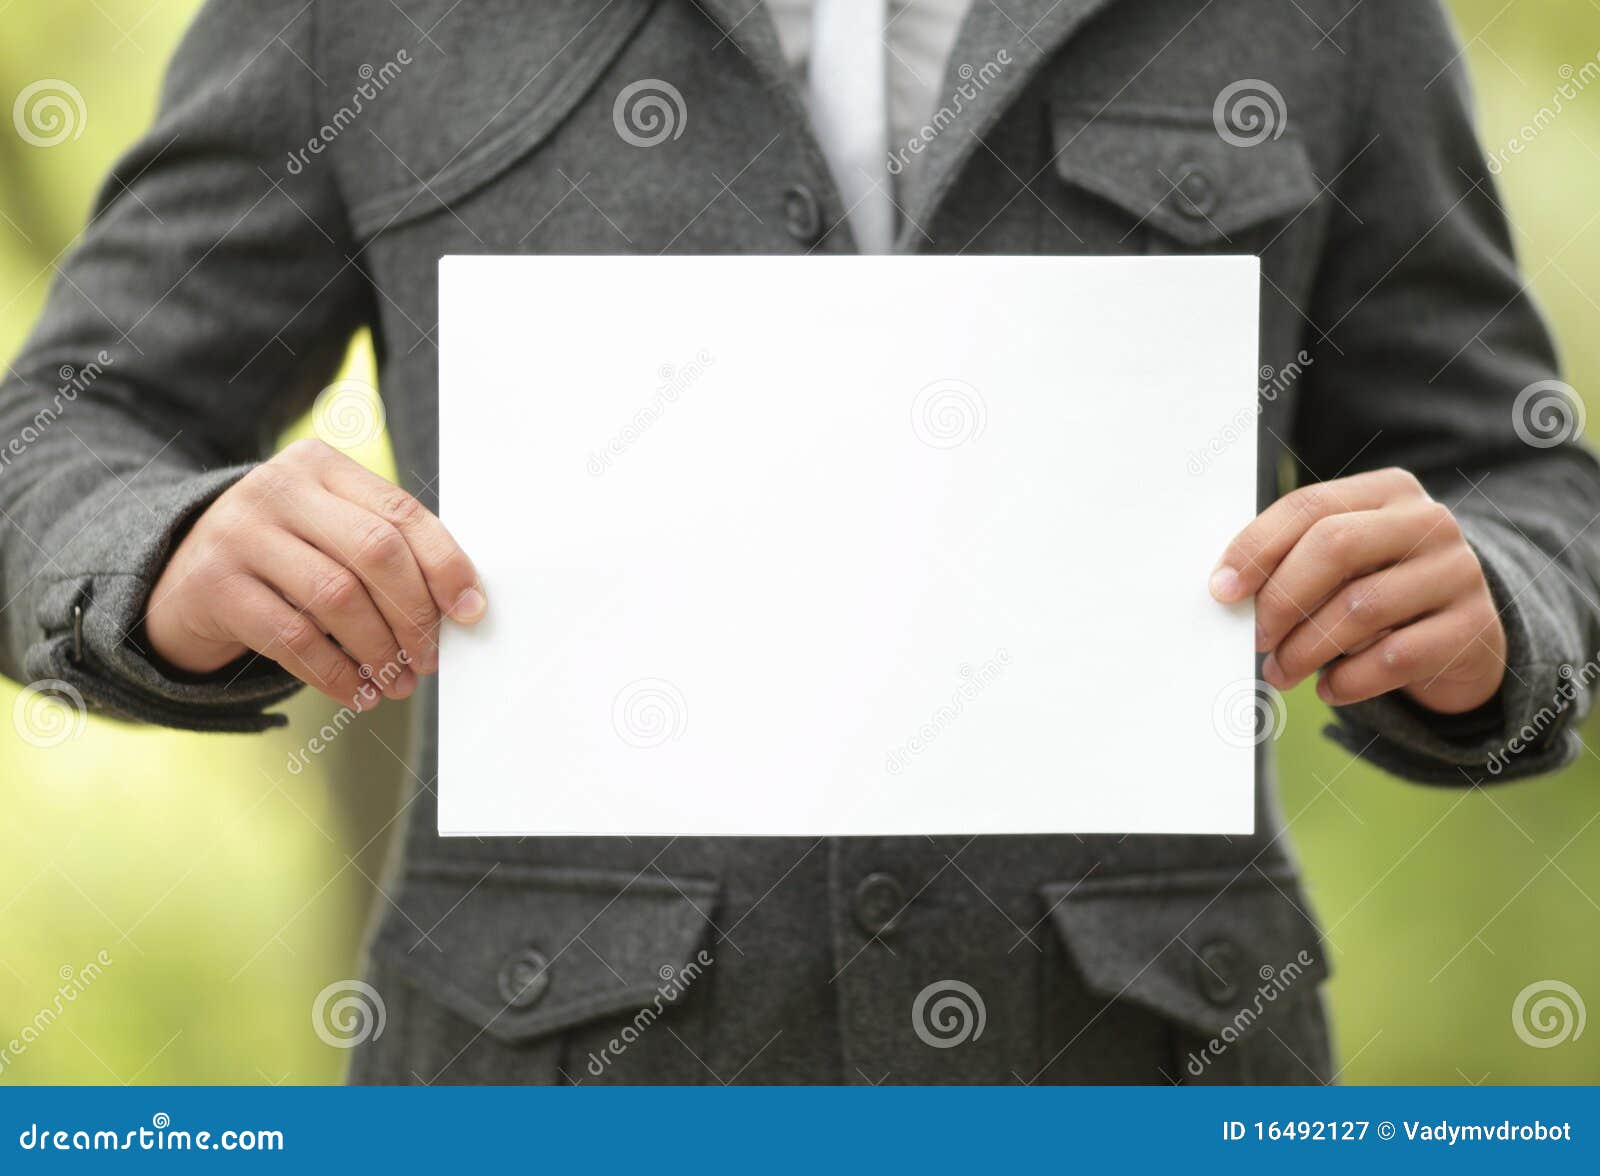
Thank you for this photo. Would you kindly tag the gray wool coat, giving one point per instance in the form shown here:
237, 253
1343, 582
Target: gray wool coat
277, 206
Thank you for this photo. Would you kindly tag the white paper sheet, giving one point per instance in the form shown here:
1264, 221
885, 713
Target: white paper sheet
847, 546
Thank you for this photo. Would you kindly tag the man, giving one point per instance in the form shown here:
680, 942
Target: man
1436, 568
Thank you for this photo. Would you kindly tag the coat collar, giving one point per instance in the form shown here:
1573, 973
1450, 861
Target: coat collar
1028, 32
748, 24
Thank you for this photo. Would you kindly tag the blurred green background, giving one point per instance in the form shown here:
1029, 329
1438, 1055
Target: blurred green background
227, 891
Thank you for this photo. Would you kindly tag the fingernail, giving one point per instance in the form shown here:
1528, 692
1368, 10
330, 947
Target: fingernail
403, 685
1225, 585
470, 606
1272, 671
1325, 692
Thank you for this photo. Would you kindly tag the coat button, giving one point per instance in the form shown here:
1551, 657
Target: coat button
524, 978
802, 214
1217, 971
1197, 192
879, 900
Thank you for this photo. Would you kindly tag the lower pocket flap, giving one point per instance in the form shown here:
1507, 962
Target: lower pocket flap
1207, 949
524, 951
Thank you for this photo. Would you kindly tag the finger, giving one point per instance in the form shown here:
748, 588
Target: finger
1412, 654
1360, 646
1254, 553
1341, 548
339, 602
267, 623
380, 557
1388, 599
452, 579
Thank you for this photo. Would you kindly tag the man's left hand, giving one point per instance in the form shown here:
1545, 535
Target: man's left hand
1370, 582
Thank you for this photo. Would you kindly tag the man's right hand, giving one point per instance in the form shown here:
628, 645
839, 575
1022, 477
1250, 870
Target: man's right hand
313, 561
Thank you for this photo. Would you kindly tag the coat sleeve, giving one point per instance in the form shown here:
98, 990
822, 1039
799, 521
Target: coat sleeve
1430, 354
211, 295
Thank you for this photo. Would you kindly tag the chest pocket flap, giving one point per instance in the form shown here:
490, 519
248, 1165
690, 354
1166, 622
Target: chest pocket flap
1177, 174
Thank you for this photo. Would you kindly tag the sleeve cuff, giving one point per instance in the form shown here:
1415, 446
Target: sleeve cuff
91, 622
1526, 730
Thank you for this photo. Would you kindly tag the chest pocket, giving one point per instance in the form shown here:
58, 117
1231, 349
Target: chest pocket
1146, 182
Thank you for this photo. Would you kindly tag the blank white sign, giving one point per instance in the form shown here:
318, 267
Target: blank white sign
847, 545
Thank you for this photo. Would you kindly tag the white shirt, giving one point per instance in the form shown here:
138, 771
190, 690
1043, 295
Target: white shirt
917, 41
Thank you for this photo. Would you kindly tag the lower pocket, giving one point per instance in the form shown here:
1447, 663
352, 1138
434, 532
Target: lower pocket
541, 975
1205, 976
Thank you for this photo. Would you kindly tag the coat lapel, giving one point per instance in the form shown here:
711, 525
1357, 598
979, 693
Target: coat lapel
1029, 32
749, 29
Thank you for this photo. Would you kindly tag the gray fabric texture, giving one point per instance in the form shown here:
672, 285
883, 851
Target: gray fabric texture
226, 266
